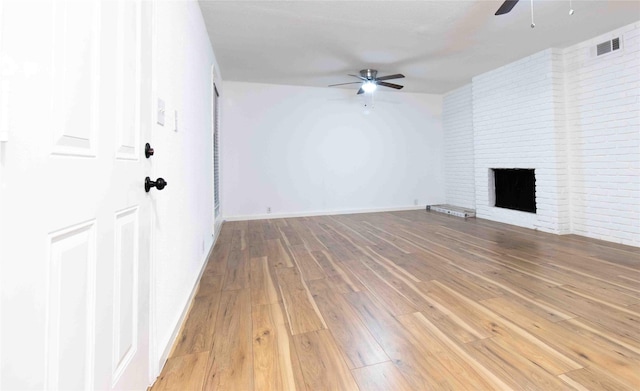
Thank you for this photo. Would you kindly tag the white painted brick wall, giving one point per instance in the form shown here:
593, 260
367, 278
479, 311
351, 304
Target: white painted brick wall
603, 122
575, 119
457, 113
518, 120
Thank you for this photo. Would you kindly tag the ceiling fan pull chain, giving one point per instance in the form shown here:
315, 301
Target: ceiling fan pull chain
571, 11
533, 25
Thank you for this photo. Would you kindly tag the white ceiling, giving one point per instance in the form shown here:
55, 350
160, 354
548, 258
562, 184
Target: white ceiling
437, 45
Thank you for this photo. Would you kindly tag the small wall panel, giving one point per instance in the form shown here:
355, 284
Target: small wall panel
75, 77
129, 82
125, 311
71, 308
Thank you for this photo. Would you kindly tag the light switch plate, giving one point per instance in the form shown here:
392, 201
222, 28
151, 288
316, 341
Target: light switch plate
175, 120
160, 112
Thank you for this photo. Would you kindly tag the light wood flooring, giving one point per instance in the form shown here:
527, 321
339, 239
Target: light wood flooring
409, 301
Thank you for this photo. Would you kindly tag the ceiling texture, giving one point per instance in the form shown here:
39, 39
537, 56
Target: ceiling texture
437, 45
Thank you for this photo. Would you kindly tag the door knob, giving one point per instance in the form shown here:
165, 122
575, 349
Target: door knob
148, 151
158, 184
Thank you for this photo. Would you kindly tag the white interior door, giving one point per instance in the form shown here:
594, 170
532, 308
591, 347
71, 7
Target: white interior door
75, 114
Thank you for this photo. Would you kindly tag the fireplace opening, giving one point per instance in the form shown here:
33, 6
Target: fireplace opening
515, 188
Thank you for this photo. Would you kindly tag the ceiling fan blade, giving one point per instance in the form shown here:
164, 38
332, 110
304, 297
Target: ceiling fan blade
360, 91
359, 77
389, 77
506, 7
391, 85
342, 84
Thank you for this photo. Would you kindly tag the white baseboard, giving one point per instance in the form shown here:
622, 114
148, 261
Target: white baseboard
187, 307
321, 213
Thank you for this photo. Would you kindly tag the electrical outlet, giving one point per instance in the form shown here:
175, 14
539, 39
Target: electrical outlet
415, 202
268, 209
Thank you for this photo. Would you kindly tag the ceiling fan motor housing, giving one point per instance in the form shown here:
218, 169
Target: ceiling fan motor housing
369, 74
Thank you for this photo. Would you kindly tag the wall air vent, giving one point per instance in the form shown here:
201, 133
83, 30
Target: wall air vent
615, 44
608, 46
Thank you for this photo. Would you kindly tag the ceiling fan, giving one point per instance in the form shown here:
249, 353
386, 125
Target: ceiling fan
506, 7
369, 81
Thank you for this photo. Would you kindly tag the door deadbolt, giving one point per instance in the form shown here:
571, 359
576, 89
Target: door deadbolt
148, 151
158, 184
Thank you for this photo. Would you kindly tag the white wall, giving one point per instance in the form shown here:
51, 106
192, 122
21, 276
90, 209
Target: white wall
184, 218
457, 118
603, 120
304, 150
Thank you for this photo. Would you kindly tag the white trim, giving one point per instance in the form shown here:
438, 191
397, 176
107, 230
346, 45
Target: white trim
154, 368
183, 316
321, 213
4, 135
58, 241
120, 361
217, 226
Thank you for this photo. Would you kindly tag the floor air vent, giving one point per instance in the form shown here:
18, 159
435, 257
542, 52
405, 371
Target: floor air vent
607, 46
453, 210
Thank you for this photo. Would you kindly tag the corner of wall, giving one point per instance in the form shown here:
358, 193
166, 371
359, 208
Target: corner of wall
572, 116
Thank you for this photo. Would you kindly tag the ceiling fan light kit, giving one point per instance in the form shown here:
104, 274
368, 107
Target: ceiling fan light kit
369, 86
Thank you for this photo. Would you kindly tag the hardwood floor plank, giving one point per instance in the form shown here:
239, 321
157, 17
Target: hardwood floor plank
512, 337
470, 318
307, 264
263, 290
257, 246
230, 365
277, 255
390, 298
596, 379
272, 365
415, 364
286, 347
619, 278
590, 330
308, 238
612, 319
269, 230
578, 343
387, 263
534, 304
606, 293
354, 340
380, 377
415, 295
342, 276
182, 373
321, 362
237, 273
217, 262
515, 370
456, 348
266, 372
197, 334
291, 237
354, 231
302, 313
457, 370
210, 284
